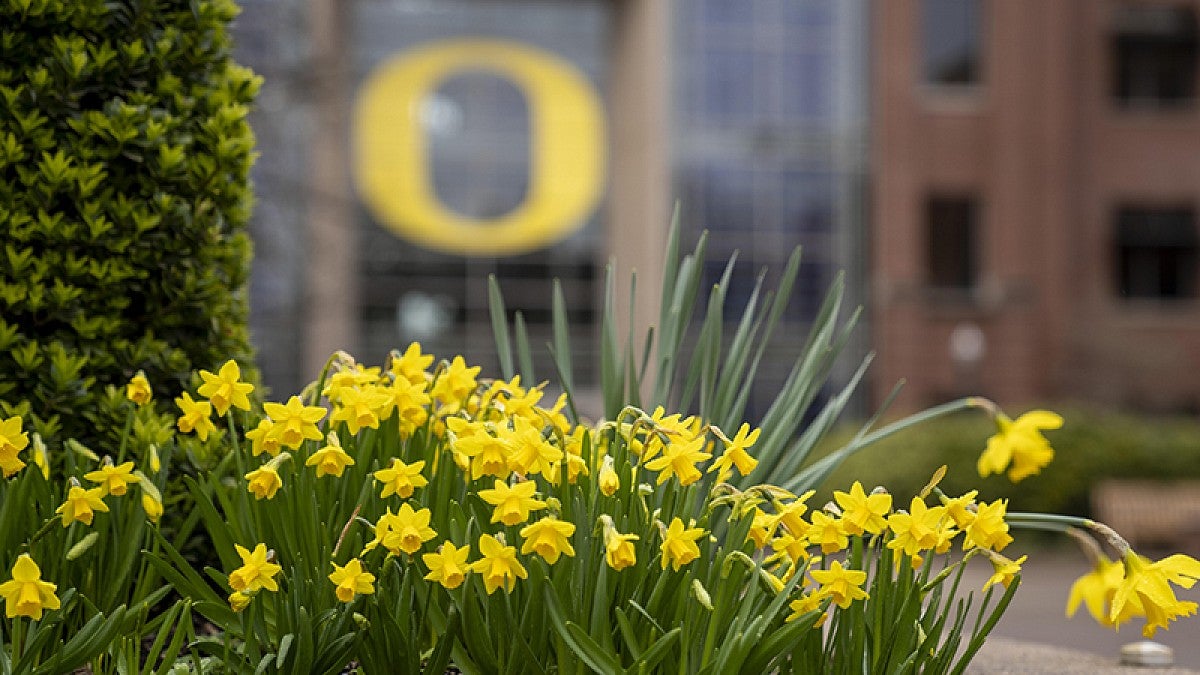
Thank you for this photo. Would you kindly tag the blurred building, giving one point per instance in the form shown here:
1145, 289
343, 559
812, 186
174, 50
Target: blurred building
1036, 180
751, 113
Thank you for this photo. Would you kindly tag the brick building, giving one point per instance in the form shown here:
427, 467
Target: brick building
1035, 185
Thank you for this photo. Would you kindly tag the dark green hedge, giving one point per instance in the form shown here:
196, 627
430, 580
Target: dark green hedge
124, 197
1091, 445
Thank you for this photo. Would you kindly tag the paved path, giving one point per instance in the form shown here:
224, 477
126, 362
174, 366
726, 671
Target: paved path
1037, 613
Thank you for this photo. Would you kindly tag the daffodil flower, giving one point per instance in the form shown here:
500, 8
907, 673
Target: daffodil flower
195, 416
225, 388
351, 580
499, 565
843, 585
1019, 443
401, 479
448, 566
862, 512
257, 571
25, 594
294, 422
138, 390
679, 544
549, 538
81, 505
513, 503
12, 442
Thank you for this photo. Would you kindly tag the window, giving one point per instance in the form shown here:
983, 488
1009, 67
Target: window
1155, 49
951, 230
950, 37
1157, 249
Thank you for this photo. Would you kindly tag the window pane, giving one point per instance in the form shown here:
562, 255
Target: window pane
951, 242
950, 34
1156, 252
1155, 49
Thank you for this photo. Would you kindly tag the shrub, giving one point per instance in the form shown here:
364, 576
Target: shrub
124, 159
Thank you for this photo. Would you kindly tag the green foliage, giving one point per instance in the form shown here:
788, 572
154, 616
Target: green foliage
124, 195
1092, 445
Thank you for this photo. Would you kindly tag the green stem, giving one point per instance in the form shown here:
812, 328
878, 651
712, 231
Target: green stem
125, 436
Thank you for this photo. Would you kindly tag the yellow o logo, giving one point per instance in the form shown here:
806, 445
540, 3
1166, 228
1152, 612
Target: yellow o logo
567, 156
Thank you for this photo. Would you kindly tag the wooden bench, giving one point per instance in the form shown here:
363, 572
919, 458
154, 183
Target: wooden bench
1150, 513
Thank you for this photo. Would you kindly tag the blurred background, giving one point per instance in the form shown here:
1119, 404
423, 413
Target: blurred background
1009, 186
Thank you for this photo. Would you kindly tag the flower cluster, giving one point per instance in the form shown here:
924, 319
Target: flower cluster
493, 448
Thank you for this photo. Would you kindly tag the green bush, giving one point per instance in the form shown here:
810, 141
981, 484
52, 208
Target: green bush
1092, 445
124, 196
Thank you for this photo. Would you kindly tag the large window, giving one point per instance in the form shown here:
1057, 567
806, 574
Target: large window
950, 42
951, 236
1156, 252
1155, 51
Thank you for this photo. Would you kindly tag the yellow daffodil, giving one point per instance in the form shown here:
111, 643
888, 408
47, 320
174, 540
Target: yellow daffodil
448, 566
918, 530
407, 530
352, 580
257, 571
795, 548
531, 453
735, 454
39, 455
961, 509
679, 544
680, 459
294, 422
549, 538
12, 442
608, 480
225, 388
239, 601
401, 479
264, 439
412, 364
488, 454
26, 594
81, 505
1004, 570
862, 512
1149, 583
264, 482
790, 515
408, 399
499, 565
827, 532
512, 504
1019, 443
152, 506
988, 528
155, 461
619, 551
195, 416
809, 602
1096, 590
358, 408
112, 479
138, 390
843, 585
454, 383
331, 459
761, 528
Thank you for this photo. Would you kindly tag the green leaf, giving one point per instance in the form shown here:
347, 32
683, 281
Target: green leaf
500, 327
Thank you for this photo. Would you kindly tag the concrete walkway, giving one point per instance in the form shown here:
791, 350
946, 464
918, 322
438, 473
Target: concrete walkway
1035, 627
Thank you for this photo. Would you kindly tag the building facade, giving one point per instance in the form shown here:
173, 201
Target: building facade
1035, 185
751, 114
